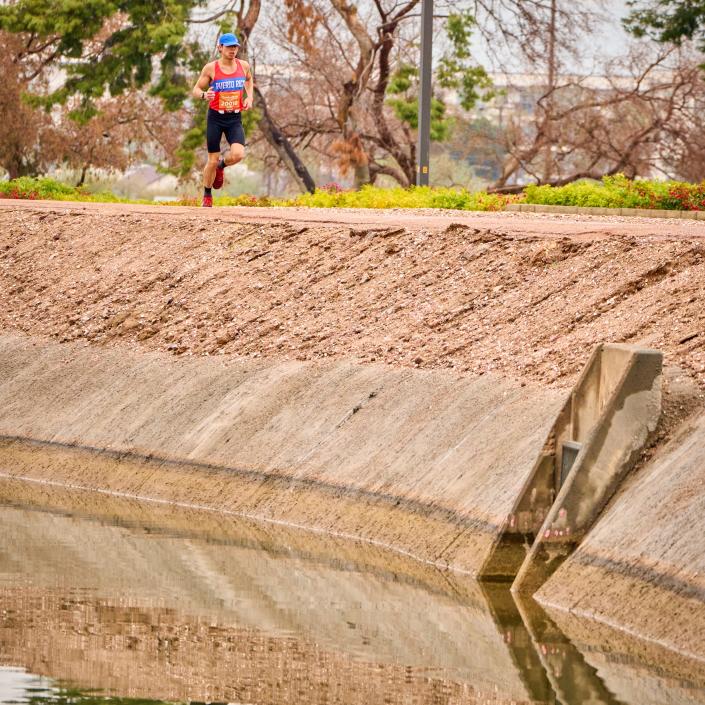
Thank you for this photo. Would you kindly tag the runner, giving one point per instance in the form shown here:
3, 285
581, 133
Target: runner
222, 84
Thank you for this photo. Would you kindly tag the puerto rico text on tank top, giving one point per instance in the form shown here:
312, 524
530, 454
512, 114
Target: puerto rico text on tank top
228, 88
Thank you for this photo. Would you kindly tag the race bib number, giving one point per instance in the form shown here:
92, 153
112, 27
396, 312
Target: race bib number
230, 101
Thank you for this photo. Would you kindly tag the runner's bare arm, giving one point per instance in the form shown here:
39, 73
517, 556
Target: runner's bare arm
249, 86
202, 91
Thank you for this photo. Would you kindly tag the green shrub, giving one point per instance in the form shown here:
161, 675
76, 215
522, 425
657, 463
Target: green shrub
612, 192
29, 187
242, 200
619, 192
398, 197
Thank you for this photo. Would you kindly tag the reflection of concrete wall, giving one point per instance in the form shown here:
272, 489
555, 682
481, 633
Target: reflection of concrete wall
160, 654
103, 602
422, 461
636, 671
225, 604
632, 683
642, 568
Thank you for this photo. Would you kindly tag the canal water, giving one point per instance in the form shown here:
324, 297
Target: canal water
124, 603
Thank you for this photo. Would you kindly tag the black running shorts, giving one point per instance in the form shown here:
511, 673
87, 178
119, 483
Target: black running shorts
219, 124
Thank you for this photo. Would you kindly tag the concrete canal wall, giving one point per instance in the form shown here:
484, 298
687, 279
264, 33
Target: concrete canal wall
427, 464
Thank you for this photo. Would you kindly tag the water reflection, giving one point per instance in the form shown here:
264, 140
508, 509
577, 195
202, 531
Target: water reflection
126, 602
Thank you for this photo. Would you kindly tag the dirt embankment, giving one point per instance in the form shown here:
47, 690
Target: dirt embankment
474, 299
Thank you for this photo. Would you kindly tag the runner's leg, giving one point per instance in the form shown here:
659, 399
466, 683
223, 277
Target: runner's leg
214, 132
235, 154
209, 171
235, 135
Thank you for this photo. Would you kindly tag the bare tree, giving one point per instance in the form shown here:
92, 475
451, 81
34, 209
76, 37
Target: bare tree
535, 33
345, 56
637, 119
247, 16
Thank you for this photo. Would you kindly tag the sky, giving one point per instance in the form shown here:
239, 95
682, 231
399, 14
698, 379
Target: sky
608, 41
612, 37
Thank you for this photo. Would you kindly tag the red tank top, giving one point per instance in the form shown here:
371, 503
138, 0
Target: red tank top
228, 87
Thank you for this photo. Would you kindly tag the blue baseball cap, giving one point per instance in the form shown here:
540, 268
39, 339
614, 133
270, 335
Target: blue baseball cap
228, 40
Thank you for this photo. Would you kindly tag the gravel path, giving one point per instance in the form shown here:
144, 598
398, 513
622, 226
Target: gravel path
546, 224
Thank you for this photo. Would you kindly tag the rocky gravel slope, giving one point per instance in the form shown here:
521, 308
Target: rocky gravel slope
473, 299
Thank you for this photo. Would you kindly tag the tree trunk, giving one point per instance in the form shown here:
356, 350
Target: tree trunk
404, 155
362, 175
82, 180
389, 170
352, 90
271, 131
276, 137
548, 111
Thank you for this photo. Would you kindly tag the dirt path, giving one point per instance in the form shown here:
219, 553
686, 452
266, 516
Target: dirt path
517, 224
522, 295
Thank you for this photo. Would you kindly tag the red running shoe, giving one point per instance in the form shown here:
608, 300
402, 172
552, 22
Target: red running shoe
219, 177
207, 202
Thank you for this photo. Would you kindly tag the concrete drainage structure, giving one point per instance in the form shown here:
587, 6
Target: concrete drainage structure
593, 444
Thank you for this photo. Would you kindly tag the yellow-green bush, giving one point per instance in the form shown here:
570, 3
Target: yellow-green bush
619, 192
398, 197
612, 192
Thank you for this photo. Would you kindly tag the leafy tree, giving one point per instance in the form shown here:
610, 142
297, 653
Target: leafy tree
122, 63
111, 49
108, 46
32, 140
456, 71
20, 151
669, 21
404, 86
